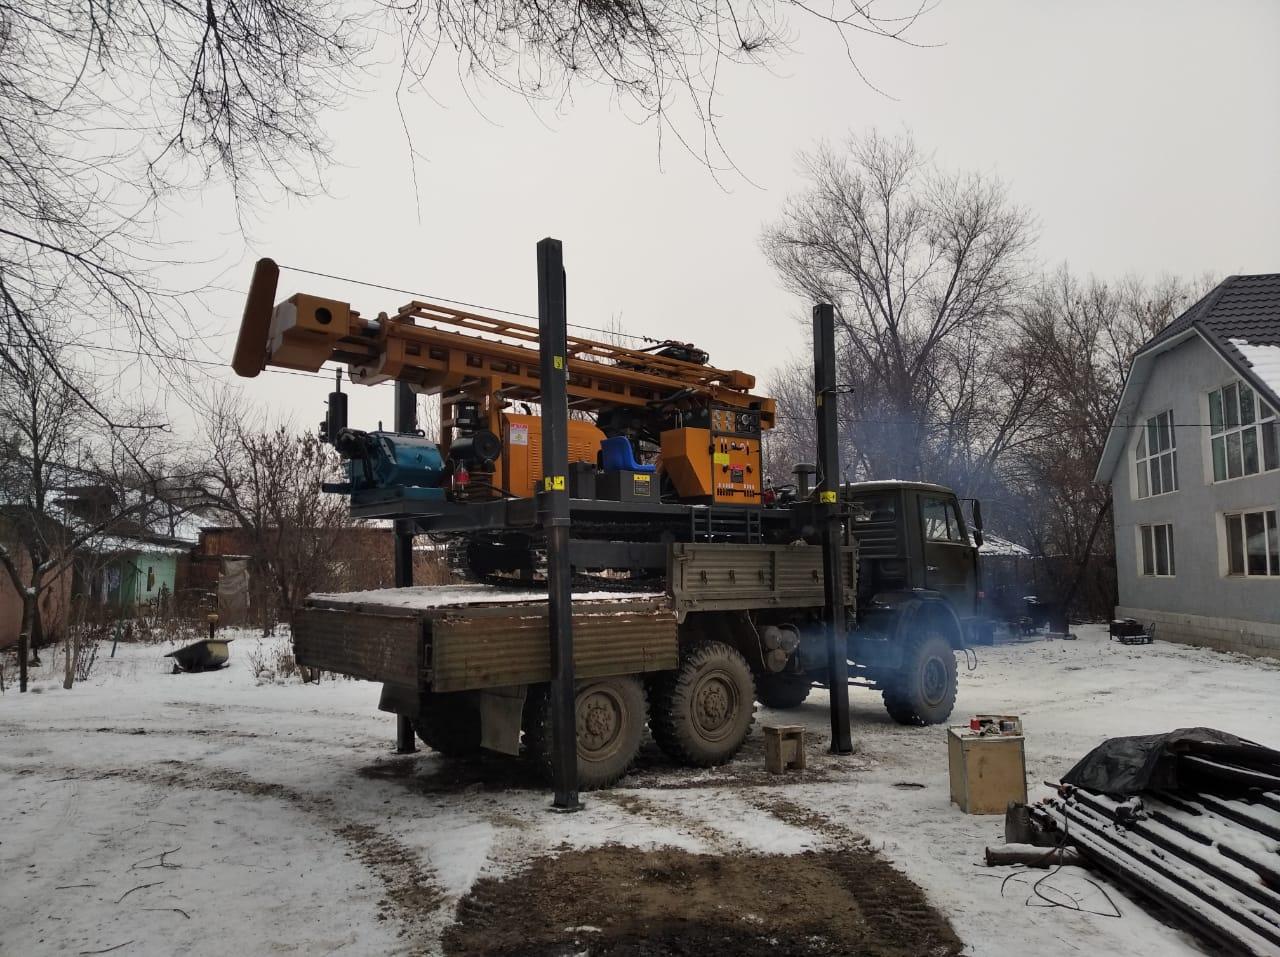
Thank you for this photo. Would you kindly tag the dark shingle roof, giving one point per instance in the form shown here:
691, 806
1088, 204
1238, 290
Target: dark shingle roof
1240, 307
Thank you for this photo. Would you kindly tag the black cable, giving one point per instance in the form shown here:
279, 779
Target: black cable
1058, 848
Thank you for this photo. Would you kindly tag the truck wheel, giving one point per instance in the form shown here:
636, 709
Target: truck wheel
610, 723
782, 691
924, 691
449, 724
702, 712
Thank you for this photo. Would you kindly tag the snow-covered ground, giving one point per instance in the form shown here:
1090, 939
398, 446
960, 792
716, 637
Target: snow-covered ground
207, 814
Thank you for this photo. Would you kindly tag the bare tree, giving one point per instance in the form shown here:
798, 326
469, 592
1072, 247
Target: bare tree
1081, 334
109, 110
924, 268
47, 445
266, 479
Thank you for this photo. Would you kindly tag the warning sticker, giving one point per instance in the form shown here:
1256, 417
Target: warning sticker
519, 435
641, 486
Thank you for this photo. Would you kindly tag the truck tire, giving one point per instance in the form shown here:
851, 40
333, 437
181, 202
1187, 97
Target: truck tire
449, 724
924, 691
702, 711
782, 691
610, 723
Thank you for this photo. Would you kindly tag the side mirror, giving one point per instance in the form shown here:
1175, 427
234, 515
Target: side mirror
977, 522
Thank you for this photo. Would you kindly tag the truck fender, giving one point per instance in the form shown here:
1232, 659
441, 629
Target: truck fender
915, 610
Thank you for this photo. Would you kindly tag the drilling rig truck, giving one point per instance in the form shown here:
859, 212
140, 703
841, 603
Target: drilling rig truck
698, 584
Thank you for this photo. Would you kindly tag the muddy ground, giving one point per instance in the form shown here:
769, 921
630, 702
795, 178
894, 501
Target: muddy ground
617, 901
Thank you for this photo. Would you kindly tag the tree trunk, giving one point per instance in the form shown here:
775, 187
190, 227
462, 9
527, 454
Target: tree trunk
69, 673
30, 620
24, 636
37, 630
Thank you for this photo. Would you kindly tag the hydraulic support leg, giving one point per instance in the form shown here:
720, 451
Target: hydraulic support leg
553, 509
406, 420
831, 521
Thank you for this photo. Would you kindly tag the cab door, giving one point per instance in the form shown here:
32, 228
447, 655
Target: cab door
948, 554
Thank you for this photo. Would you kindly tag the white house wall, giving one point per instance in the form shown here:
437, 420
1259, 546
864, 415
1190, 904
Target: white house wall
1201, 603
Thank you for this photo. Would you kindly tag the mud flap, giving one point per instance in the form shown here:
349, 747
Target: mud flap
399, 700
501, 711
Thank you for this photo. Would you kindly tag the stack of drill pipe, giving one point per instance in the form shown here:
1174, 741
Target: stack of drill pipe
1211, 861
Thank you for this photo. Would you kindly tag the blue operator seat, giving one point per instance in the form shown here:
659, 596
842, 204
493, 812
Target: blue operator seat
619, 456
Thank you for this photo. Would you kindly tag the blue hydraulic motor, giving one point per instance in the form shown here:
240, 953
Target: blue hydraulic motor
407, 465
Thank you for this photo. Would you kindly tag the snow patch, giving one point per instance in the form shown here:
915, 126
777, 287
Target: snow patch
423, 597
1265, 360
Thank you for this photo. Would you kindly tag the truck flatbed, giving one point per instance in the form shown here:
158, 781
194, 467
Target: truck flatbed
434, 598
472, 637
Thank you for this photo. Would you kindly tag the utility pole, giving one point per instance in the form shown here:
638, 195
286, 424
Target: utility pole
553, 510
831, 521
406, 420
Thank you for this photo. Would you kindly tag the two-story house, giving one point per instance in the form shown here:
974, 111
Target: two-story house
1193, 459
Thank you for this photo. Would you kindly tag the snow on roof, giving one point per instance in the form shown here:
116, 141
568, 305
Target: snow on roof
421, 597
1265, 360
995, 546
110, 544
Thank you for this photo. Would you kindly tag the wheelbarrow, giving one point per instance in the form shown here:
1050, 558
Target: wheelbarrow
210, 654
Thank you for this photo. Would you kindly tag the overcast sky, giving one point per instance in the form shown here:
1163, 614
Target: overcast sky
1145, 138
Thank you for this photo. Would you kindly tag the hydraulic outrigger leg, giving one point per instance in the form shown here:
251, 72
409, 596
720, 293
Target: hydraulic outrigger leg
553, 508
831, 521
406, 420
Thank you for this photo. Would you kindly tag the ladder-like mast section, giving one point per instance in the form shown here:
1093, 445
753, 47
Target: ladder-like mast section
440, 350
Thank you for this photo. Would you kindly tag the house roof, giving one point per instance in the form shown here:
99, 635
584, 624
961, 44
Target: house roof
997, 547
1239, 319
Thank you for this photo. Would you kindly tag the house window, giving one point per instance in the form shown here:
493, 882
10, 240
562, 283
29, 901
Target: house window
1156, 546
1157, 456
1245, 434
1253, 543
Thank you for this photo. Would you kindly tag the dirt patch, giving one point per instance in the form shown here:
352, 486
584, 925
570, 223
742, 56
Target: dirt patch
614, 901
806, 818
665, 815
428, 773
412, 894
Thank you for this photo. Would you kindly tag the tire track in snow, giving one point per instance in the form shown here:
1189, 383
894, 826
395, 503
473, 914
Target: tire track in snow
413, 894
666, 815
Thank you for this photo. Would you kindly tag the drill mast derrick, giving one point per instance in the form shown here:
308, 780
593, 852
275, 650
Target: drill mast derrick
480, 366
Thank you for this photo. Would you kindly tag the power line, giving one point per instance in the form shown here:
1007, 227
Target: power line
209, 363
459, 302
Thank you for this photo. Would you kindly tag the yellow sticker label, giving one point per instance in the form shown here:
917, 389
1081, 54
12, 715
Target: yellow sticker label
720, 458
553, 483
827, 498
558, 361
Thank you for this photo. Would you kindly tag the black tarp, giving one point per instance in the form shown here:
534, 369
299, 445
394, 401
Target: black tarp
1127, 766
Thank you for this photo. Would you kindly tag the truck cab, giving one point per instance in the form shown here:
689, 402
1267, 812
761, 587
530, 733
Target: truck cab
918, 601
913, 539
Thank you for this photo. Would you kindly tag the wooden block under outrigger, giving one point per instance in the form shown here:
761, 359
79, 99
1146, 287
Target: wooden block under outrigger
783, 748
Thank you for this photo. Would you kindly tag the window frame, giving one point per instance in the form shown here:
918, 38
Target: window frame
956, 532
1148, 464
1150, 553
1262, 430
1238, 521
